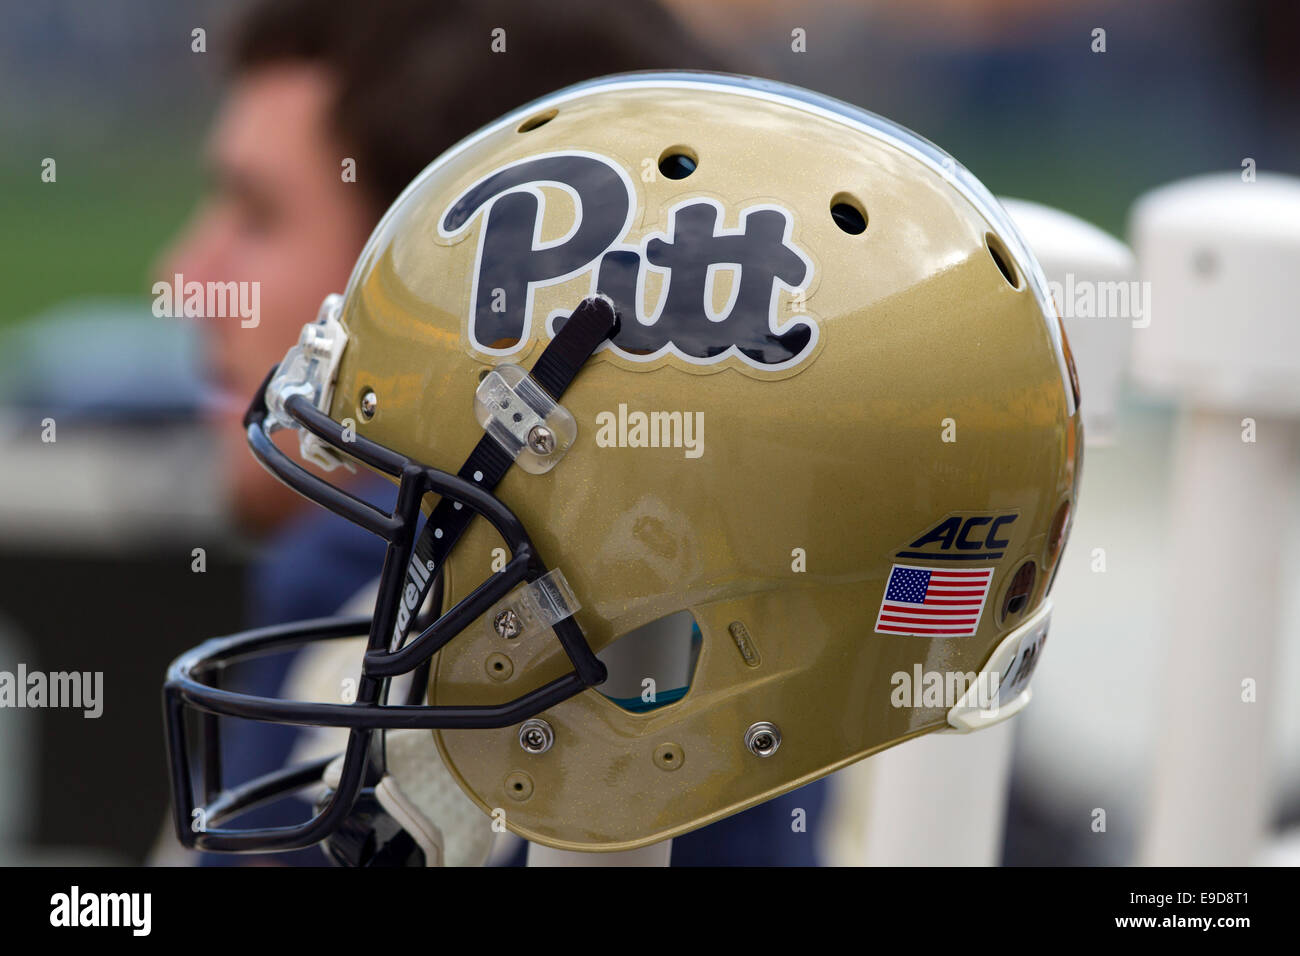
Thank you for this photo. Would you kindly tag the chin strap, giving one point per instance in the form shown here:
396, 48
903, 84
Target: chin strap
420, 790
417, 815
415, 812
590, 324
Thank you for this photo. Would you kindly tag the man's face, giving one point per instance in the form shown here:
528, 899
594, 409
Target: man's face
279, 214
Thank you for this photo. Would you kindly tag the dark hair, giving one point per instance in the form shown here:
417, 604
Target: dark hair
415, 76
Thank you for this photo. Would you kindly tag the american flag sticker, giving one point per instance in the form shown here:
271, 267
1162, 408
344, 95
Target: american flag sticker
934, 601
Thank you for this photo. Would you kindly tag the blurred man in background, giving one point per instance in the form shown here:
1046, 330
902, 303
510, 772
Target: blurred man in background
317, 86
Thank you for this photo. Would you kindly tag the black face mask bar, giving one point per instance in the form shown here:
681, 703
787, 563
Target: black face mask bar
194, 679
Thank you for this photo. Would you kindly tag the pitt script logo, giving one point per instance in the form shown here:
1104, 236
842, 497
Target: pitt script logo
513, 262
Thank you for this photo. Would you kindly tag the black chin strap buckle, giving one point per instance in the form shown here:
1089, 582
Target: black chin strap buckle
369, 836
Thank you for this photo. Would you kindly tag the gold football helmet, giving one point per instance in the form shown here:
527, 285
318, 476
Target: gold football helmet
750, 398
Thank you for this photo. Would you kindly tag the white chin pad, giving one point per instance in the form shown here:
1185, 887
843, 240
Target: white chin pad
333, 773
1002, 687
420, 793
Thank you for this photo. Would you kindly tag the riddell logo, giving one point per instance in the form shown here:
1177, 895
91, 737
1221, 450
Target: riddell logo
418, 576
689, 259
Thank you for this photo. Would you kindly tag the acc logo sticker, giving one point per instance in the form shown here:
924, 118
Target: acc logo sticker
512, 262
945, 600
964, 538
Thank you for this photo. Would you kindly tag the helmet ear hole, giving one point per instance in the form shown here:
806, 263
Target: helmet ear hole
653, 665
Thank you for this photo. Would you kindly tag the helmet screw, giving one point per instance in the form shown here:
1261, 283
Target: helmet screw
507, 624
762, 739
536, 736
369, 403
541, 439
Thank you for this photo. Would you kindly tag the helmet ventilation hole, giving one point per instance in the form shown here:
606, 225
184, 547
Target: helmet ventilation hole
541, 119
1002, 260
1056, 541
848, 214
1022, 586
678, 162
